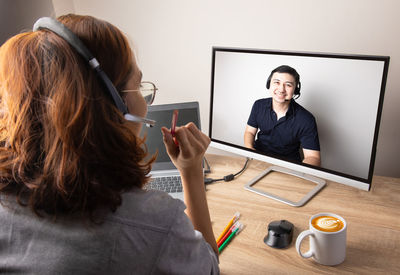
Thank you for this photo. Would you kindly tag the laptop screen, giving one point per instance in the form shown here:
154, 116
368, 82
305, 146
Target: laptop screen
162, 114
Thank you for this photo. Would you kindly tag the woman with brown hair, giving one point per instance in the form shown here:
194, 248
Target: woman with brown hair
73, 168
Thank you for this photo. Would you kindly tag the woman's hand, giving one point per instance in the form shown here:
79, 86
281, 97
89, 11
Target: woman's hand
188, 157
192, 145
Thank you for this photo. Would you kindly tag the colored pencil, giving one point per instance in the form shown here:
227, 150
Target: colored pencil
233, 227
233, 234
234, 219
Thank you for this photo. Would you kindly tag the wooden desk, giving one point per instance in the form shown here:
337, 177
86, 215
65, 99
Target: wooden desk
373, 236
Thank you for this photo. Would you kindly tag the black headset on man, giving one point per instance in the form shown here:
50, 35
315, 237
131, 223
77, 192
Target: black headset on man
291, 71
74, 41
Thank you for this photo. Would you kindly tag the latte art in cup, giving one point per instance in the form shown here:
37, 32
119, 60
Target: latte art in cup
327, 235
327, 223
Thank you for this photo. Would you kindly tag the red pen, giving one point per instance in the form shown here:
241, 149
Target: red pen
173, 125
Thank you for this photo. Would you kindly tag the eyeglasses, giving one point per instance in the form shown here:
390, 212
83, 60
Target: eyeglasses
147, 89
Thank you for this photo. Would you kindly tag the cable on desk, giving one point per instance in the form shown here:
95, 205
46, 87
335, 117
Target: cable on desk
208, 168
227, 177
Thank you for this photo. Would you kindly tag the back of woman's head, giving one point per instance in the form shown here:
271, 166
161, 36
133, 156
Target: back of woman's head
64, 145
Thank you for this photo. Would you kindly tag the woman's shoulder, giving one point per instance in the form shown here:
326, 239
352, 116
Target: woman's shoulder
149, 207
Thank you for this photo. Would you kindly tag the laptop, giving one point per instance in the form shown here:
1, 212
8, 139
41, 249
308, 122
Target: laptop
164, 174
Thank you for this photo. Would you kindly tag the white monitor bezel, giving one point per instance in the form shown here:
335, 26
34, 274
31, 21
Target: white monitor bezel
354, 181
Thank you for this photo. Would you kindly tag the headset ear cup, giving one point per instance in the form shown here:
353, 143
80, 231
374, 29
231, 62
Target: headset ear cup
297, 90
268, 82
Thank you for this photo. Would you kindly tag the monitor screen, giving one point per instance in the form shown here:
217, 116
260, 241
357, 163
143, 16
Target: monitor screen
342, 92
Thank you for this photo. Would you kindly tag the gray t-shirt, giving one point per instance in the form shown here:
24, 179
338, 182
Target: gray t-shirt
148, 234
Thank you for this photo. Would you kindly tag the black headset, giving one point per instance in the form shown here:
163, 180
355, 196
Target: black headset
289, 70
73, 40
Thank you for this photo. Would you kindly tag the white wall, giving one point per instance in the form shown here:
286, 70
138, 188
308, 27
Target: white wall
63, 6
173, 40
20, 15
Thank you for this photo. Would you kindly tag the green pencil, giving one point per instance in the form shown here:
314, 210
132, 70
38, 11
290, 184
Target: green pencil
227, 240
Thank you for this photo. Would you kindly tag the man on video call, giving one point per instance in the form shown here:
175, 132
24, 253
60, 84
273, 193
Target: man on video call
286, 128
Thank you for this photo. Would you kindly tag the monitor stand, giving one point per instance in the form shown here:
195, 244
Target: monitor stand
320, 183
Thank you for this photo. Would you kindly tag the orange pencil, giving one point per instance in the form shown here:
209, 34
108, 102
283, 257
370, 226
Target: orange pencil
234, 219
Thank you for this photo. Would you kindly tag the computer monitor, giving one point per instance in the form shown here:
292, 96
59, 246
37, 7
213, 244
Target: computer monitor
344, 92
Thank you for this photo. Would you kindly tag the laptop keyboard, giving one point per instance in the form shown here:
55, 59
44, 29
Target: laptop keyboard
171, 184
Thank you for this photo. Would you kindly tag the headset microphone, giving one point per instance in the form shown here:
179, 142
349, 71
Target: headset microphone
74, 41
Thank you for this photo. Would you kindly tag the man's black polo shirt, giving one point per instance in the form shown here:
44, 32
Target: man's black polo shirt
284, 137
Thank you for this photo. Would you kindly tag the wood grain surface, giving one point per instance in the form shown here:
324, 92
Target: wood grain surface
373, 234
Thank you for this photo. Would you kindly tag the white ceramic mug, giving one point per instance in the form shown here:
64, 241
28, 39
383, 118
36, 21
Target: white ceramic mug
327, 248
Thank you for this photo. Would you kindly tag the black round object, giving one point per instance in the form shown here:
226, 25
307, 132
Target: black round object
280, 234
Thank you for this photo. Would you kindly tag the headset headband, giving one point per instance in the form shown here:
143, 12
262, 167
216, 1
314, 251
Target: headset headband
62, 31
